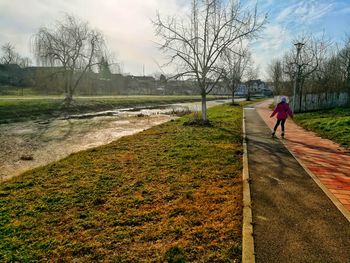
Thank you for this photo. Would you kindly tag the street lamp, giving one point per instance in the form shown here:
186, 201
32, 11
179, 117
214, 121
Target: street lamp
299, 46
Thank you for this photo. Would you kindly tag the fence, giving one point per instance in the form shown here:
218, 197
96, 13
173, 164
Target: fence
319, 101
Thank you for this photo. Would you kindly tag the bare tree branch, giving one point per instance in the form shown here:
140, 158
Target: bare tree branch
72, 45
196, 44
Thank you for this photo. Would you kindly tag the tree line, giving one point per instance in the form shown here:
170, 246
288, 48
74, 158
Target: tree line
9, 55
208, 45
320, 66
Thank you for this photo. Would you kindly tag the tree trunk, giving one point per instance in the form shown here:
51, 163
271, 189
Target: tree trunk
68, 89
301, 85
233, 93
204, 107
347, 84
66, 84
248, 94
68, 99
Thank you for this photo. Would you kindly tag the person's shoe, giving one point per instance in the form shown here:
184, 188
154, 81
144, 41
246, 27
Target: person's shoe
273, 135
282, 135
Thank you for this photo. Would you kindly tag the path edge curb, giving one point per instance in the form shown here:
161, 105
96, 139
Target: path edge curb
248, 253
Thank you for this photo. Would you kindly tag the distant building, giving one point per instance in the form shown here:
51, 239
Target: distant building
258, 87
241, 90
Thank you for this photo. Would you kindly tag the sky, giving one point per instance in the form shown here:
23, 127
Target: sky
129, 33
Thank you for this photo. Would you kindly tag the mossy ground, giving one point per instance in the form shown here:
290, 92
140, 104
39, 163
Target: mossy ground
168, 194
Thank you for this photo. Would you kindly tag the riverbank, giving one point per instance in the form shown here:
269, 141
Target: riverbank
170, 192
30, 144
18, 109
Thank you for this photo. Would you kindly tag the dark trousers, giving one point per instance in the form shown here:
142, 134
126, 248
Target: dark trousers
279, 121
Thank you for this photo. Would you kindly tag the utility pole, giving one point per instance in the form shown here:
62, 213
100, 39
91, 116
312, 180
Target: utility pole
299, 46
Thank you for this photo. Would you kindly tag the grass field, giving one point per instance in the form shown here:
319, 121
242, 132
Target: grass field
168, 194
9, 91
333, 124
31, 108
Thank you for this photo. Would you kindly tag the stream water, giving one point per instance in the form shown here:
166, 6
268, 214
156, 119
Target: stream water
26, 145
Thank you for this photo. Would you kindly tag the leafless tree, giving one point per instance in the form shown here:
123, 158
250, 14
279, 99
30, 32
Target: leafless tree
333, 74
195, 43
252, 76
9, 56
276, 75
24, 62
72, 46
344, 59
327, 78
235, 66
312, 54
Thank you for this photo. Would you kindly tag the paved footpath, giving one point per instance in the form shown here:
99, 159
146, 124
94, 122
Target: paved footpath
328, 161
294, 220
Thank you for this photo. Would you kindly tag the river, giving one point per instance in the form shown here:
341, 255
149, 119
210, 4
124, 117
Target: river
26, 145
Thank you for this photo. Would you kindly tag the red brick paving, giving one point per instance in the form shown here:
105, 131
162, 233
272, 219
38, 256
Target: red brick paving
327, 160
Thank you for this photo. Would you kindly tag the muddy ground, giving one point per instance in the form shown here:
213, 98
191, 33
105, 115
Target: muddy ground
26, 145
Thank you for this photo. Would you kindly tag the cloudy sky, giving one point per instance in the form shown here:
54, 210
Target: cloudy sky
130, 35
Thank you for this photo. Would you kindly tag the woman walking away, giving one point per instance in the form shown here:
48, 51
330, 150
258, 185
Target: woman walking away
283, 111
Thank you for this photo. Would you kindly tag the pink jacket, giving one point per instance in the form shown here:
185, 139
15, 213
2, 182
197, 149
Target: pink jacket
282, 109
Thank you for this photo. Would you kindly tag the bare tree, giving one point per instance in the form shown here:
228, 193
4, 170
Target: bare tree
235, 66
9, 55
196, 43
73, 47
344, 58
252, 76
333, 74
311, 56
24, 62
276, 75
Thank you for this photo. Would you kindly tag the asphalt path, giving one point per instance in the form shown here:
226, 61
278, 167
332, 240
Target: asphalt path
294, 221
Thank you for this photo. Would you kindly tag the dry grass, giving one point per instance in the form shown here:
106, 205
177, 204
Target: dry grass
169, 194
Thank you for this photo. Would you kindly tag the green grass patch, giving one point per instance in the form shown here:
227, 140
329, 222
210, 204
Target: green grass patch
171, 193
32, 108
333, 124
10, 91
